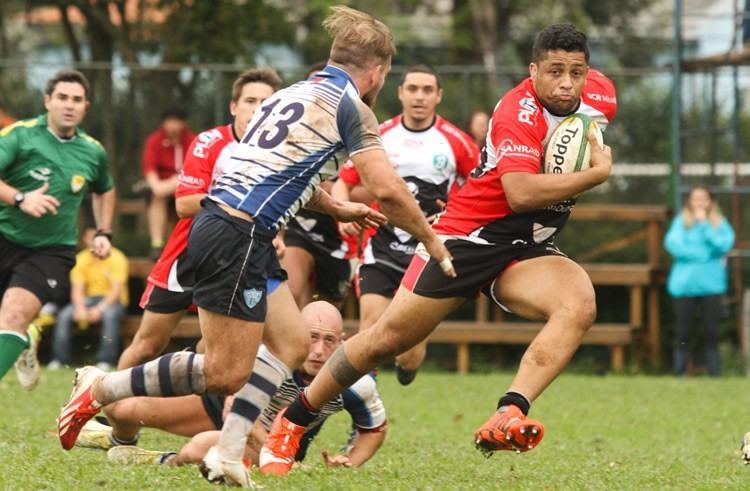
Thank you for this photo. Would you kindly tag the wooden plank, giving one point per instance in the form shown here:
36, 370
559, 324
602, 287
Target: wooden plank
613, 245
636, 305
619, 274
619, 212
654, 335
654, 243
139, 267
462, 358
130, 207
618, 358
481, 308
455, 332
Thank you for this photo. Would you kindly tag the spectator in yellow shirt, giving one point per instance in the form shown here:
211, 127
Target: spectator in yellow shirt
98, 294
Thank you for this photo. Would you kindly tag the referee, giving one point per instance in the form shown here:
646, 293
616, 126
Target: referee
47, 164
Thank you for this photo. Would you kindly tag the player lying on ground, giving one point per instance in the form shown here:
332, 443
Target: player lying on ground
499, 229
200, 417
288, 149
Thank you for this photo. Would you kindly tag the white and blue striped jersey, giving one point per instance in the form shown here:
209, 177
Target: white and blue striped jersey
295, 139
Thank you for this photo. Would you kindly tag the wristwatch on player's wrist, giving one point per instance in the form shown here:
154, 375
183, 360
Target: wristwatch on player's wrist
18, 198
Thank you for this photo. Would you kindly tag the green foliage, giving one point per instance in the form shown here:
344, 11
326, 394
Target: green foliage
608, 22
610, 432
220, 32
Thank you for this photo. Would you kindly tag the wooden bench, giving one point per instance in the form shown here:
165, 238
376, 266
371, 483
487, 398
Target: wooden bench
486, 330
636, 277
653, 219
462, 334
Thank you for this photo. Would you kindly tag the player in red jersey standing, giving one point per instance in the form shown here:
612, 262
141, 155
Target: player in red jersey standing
434, 157
499, 228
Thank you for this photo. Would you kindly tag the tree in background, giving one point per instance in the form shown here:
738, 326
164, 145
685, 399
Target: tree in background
495, 35
151, 32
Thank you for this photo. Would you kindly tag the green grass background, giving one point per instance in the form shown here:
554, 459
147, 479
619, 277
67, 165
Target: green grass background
602, 432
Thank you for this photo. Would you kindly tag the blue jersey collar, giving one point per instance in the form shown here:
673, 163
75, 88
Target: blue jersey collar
336, 72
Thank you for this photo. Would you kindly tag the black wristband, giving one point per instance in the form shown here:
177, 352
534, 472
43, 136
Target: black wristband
102, 233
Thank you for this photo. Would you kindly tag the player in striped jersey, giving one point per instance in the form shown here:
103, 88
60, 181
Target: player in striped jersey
295, 139
169, 287
317, 257
202, 416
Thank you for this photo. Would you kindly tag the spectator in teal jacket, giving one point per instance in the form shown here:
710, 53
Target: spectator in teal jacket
698, 240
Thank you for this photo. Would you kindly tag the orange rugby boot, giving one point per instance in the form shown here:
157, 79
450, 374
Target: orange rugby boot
282, 443
508, 429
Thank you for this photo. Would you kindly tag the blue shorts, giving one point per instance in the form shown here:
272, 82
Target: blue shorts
234, 262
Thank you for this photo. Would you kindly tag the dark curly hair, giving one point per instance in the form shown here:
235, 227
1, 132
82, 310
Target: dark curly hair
563, 37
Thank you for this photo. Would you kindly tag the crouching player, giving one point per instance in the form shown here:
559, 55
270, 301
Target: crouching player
201, 417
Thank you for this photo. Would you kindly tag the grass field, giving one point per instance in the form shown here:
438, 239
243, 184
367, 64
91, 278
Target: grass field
601, 433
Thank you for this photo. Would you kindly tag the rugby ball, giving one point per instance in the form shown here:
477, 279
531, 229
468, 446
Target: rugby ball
568, 148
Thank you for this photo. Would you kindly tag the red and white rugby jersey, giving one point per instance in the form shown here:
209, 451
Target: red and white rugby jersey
432, 162
204, 161
519, 129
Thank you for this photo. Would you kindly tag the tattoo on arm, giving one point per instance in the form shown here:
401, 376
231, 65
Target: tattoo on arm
342, 370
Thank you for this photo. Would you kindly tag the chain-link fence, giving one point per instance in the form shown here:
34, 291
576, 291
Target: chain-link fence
127, 101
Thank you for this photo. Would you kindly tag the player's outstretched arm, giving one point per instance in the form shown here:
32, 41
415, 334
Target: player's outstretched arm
527, 192
345, 211
397, 203
365, 445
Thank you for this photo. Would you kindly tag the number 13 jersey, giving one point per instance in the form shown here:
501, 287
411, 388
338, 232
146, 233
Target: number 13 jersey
295, 139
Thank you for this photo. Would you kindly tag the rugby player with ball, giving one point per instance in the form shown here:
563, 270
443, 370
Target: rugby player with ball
499, 229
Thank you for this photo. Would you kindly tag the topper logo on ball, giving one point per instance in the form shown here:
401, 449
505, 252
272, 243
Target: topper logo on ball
561, 148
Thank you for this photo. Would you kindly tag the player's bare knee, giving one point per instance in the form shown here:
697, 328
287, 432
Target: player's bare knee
224, 384
191, 453
147, 349
14, 319
579, 311
587, 309
224, 379
118, 411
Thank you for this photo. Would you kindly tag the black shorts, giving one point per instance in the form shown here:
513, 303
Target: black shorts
233, 261
331, 274
477, 266
378, 279
45, 272
214, 406
163, 301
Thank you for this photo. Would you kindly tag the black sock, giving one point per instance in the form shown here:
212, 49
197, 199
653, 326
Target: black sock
167, 457
115, 441
300, 412
516, 399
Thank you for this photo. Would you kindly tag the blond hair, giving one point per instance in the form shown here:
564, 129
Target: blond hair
359, 40
715, 216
